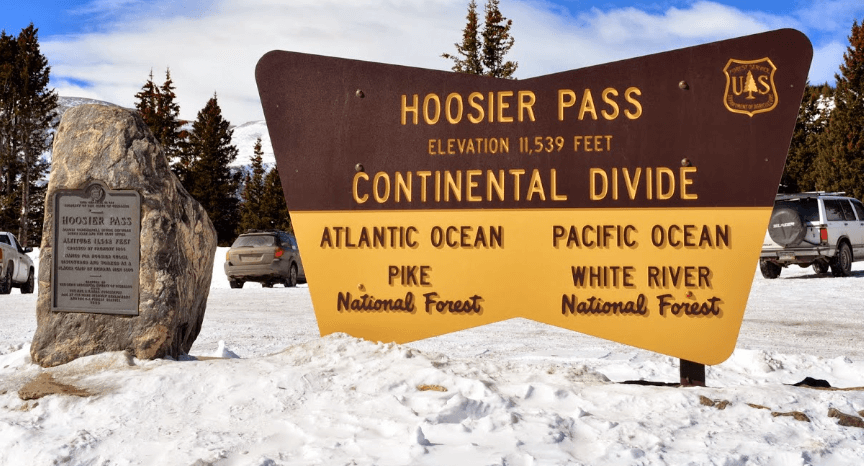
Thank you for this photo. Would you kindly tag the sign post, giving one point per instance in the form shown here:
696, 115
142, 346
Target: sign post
626, 200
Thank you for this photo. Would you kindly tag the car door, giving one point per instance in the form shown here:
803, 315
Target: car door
296, 250
20, 265
858, 226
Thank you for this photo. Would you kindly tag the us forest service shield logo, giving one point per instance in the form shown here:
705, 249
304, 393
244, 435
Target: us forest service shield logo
750, 86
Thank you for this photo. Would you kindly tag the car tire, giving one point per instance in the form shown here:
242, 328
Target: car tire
820, 267
769, 269
786, 227
267, 284
235, 283
291, 281
841, 266
6, 281
27, 287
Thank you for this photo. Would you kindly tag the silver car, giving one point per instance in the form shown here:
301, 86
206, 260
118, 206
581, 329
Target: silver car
267, 257
825, 230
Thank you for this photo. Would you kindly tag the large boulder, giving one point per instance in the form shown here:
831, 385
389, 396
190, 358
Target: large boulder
177, 243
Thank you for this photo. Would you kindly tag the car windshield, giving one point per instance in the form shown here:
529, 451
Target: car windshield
254, 241
807, 208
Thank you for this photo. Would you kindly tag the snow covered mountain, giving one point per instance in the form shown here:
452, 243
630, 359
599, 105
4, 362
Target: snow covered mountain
244, 138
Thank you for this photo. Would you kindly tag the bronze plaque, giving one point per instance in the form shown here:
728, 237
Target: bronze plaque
96, 250
626, 200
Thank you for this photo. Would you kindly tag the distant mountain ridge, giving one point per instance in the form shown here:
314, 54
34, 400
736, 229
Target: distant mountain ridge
243, 138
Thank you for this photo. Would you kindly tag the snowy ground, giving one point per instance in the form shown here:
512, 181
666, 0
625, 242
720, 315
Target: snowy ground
512, 393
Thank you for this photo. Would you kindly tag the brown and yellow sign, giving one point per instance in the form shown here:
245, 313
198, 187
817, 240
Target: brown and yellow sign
627, 200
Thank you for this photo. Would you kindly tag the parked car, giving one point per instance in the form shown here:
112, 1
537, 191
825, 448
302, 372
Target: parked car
818, 229
267, 257
16, 267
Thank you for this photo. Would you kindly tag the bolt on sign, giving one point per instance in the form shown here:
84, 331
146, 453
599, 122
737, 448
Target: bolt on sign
627, 200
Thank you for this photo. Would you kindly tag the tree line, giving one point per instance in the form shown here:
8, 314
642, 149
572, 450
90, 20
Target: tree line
827, 149
201, 156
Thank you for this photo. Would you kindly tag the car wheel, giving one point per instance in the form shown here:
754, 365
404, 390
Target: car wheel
786, 227
291, 281
235, 283
6, 281
267, 284
820, 266
841, 266
769, 269
27, 287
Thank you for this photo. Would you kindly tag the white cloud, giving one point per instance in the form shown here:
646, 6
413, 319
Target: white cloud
214, 46
826, 62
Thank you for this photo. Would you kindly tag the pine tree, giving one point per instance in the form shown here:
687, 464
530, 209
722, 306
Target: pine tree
169, 133
10, 166
26, 115
162, 115
252, 196
209, 177
497, 41
485, 57
840, 163
274, 211
469, 49
750, 86
148, 101
798, 174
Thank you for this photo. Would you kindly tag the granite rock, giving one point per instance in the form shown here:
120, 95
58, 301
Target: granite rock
177, 243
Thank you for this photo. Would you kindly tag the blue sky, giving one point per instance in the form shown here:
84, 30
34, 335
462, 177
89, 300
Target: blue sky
105, 49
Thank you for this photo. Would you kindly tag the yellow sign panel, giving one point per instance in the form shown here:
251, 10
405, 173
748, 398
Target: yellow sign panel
627, 201
668, 287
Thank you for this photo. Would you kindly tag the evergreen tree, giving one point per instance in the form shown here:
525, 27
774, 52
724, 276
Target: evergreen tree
162, 115
169, 133
274, 211
485, 57
209, 177
252, 196
497, 41
27, 109
148, 98
9, 163
469, 49
798, 174
840, 162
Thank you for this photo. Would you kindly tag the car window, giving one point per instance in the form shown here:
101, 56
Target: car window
5, 240
834, 210
254, 241
807, 208
859, 208
848, 213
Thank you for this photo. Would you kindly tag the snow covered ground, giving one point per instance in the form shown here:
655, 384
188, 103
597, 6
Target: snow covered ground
511, 393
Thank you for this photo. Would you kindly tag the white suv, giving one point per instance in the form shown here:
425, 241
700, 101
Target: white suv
819, 229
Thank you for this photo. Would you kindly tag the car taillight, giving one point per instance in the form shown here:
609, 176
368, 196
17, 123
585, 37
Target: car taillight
278, 253
823, 234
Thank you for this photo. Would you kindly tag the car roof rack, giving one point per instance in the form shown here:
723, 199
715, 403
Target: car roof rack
809, 194
271, 230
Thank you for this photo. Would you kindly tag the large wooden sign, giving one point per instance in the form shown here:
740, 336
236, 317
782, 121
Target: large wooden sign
627, 200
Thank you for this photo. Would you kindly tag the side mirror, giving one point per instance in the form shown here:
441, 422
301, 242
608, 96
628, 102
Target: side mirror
28, 249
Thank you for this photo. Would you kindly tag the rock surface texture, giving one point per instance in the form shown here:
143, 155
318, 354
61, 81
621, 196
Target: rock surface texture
177, 243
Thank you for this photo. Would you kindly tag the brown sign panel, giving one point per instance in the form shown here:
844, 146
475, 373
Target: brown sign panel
622, 200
